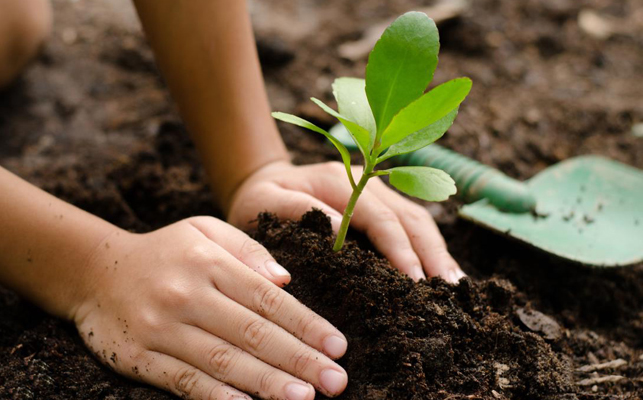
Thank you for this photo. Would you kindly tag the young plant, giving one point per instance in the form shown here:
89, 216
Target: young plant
389, 113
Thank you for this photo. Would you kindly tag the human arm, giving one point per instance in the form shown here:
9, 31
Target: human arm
45, 244
182, 308
206, 51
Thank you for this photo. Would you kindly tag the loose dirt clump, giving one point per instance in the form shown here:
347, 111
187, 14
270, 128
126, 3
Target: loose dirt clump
92, 122
432, 340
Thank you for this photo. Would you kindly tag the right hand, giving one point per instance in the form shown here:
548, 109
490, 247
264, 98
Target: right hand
194, 308
403, 231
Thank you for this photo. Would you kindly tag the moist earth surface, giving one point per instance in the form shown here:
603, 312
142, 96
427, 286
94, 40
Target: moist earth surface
92, 122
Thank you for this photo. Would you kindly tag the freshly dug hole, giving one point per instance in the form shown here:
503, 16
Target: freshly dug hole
430, 340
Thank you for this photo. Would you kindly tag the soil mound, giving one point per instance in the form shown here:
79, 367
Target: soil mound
432, 340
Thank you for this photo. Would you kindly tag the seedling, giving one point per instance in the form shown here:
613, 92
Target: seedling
388, 114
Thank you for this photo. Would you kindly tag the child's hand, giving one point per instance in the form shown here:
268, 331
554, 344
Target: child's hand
402, 230
194, 308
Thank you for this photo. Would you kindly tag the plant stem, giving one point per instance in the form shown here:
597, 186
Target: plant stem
350, 207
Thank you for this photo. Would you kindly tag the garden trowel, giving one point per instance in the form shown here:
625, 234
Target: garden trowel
587, 209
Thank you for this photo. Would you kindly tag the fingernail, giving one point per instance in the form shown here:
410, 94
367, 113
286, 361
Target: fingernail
454, 275
335, 222
418, 273
276, 270
335, 346
459, 274
333, 381
298, 391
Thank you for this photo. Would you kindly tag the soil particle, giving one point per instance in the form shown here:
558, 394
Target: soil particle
426, 341
91, 122
539, 322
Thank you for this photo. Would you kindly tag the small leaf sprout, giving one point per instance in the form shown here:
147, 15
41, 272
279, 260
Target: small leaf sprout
389, 114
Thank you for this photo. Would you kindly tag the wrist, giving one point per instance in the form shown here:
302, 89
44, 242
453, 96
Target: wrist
45, 257
93, 272
225, 194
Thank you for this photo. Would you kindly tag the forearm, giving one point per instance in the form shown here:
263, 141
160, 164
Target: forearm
206, 51
45, 245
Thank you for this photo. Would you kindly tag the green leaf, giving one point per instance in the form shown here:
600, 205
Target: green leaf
350, 94
423, 182
426, 110
360, 135
421, 138
295, 120
401, 66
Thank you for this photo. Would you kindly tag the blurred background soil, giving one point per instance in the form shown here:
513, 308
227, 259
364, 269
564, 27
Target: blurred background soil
92, 122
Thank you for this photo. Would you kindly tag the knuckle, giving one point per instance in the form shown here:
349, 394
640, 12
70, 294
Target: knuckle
131, 365
221, 358
219, 391
149, 321
185, 381
198, 255
301, 361
308, 324
175, 295
256, 335
268, 299
266, 381
415, 212
140, 356
251, 246
386, 215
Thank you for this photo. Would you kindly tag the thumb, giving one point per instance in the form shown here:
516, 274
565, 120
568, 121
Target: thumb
284, 203
242, 247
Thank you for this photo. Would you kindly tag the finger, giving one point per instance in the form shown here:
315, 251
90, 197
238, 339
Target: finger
277, 306
243, 247
430, 245
294, 204
385, 231
227, 363
270, 343
425, 235
380, 223
182, 379
284, 203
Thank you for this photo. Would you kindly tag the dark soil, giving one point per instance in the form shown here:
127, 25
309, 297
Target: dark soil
429, 340
433, 340
92, 123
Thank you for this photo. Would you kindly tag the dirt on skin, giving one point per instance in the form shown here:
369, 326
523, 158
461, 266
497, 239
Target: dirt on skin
92, 123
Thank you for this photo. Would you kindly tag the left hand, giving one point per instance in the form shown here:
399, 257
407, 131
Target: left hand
403, 231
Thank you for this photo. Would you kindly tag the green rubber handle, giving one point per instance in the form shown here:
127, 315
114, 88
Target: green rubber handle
475, 181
